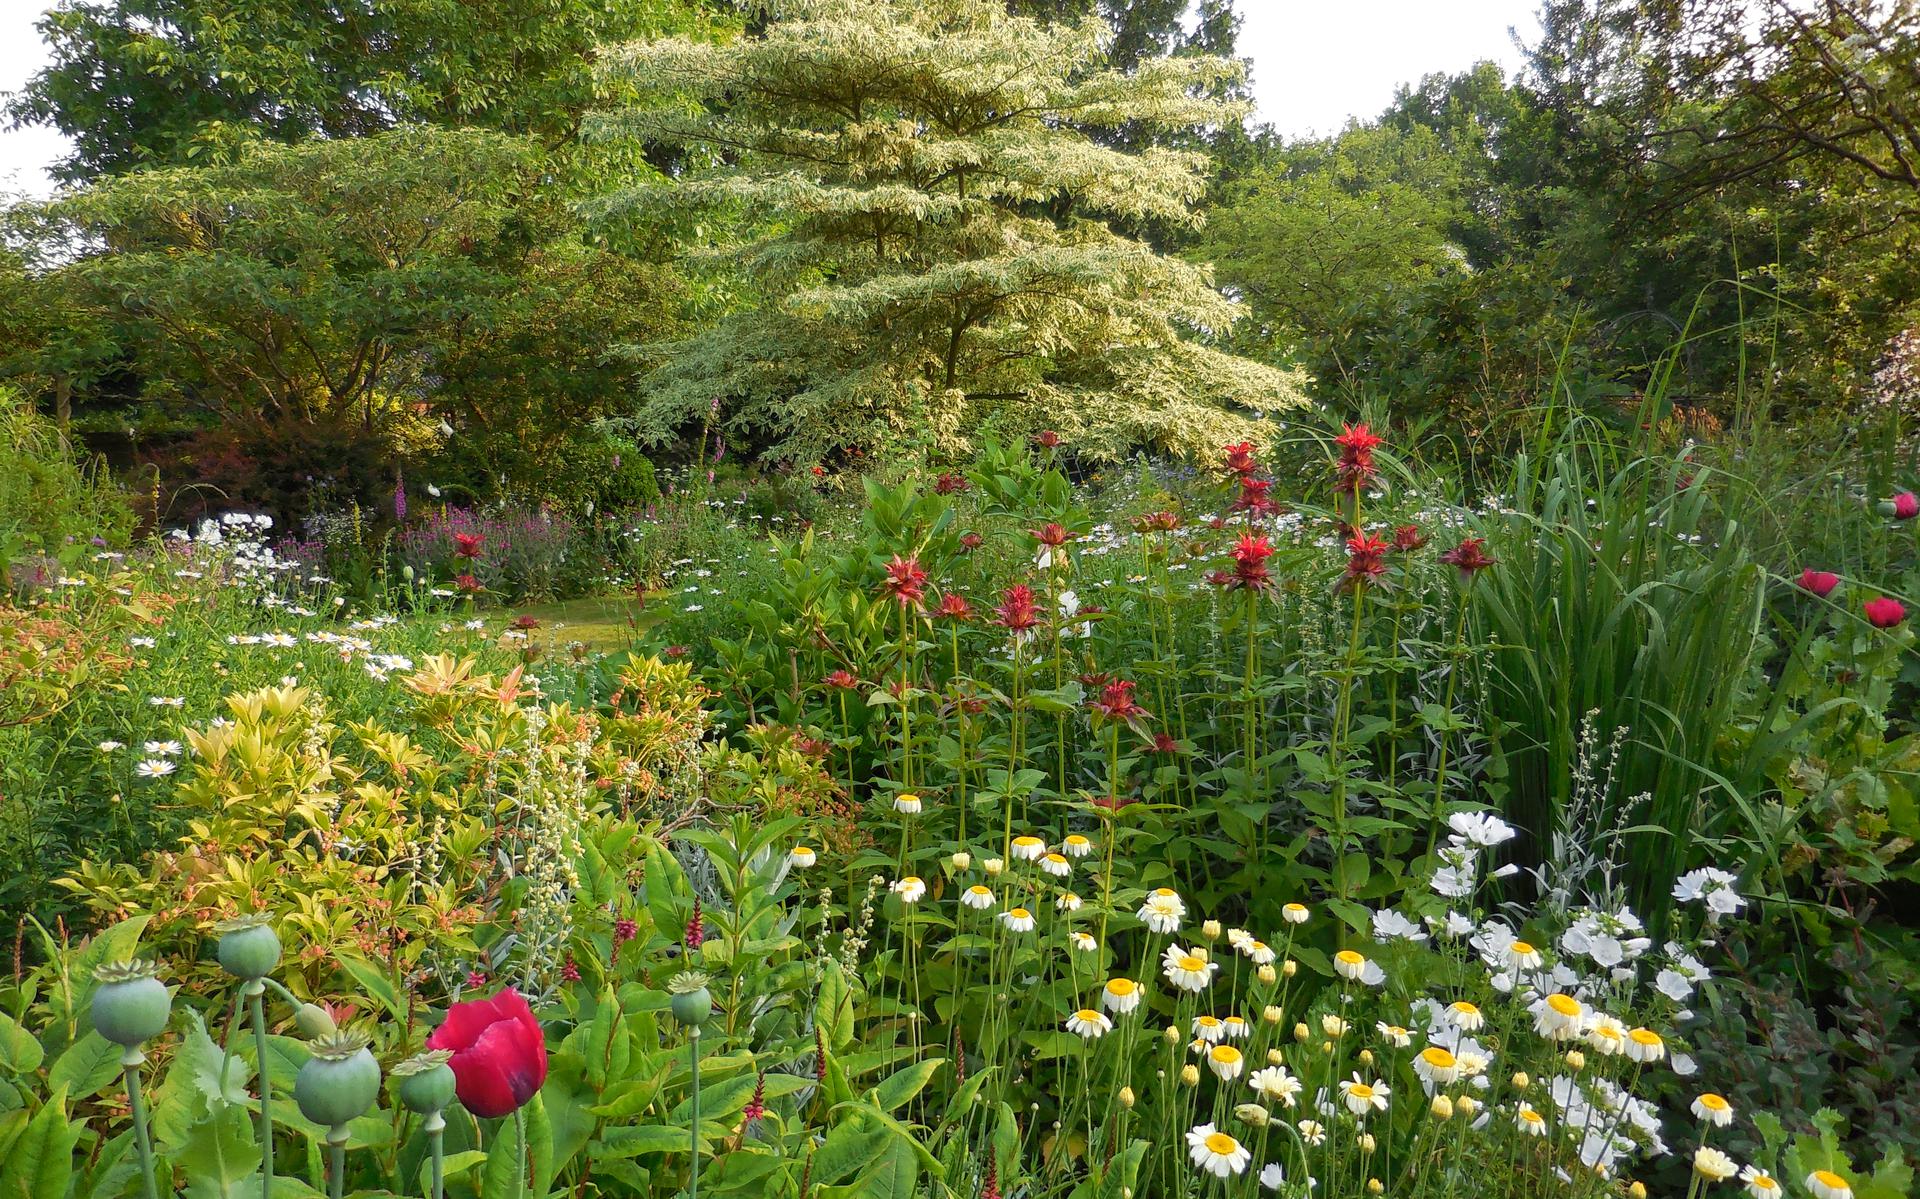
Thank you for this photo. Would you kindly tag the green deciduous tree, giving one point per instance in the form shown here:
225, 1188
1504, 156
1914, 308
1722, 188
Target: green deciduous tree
939, 256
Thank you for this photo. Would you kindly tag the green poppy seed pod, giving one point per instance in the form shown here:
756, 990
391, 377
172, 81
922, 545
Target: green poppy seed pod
1886, 507
426, 1081
249, 948
340, 1081
691, 1003
314, 1022
130, 1005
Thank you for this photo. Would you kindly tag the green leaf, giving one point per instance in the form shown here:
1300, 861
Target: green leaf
506, 1162
631, 1140
39, 1164
374, 981
20, 1053
901, 1086
220, 1156
847, 1149
88, 1065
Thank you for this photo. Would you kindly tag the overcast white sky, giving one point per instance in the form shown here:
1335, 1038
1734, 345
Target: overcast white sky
1315, 62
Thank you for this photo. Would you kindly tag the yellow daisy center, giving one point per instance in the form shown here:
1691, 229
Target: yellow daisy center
1359, 1090
977, 889
1222, 1144
1019, 913
1226, 1055
1189, 962
1438, 1058
1169, 893
1087, 1013
1077, 840
1520, 948
1208, 1022
1827, 1178
1348, 957
1644, 1036
802, 850
1713, 1102
1566, 1005
1765, 1182
1121, 986
1466, 1009
1531, 1116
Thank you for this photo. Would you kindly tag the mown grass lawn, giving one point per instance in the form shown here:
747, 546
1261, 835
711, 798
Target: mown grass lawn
604, 623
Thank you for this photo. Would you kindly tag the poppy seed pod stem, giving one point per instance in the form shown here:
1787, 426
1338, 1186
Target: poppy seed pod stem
693, 1149
130, 1058
254, 998
336, 1160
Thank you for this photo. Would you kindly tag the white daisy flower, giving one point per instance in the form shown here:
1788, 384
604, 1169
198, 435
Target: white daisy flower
1076, 846
1068, 902
1825, 1184
107, 747
910, 889
1349, 964
802, 857
1295, 913
1189, 971
1362, 1097
1759, 1184
1529, 1121
1312, 1132
1089, 1025
1216, 1153
1465, 1016
1028, 849
977, 897
1559, 1017
1120, 995
1276, 1084
1713, 1165
1436, 1065
1713, 1109
1236, 1028
1393, 1034
1084, 942
1644, 1045
907, 803
1209, 1029
1226, 1062
1056, 865
155, 768
1018, 920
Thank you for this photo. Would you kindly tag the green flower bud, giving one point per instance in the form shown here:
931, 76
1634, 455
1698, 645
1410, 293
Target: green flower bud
131, 1004
249, 948
340, 1081
314, 1023
426, 1081
692, 1003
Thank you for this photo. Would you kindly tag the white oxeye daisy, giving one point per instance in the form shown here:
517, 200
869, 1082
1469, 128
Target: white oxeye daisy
1645, 1045
1466, 1016
993, 866
1713, 1109
1436, 1065
1759, 1184
154, 768
1068, 902
1349, 965
1529, 1121
1523, 956
910, 889
1170, 896
1236, 1028
1226, 1062
1018, 920
1362, 1097
1294, 913
1559, 1017
1394, 1035
1825, 1184
1214, 1152
1258, 952
1120, 995
977, 897
1607, 1035
1076, 846
1084, 942
1028, 849
1189, 971
1056, 865
1239, 938
1088, 1024
1161, 915
1276, 1084
1312, 1132
1209, 1029
907, 803
1713, 1165
802, 857
107, 747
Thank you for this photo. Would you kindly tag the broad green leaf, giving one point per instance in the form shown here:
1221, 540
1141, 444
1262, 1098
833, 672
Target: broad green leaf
39, 1162
900, 1087
20, 1053
88, 1065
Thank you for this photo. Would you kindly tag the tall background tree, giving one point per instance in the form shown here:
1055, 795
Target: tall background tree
938, 258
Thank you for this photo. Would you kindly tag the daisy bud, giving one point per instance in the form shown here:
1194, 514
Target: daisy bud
1520, 1080
962, 860
1326, 1047
1366, 1142
1272, 1014
1290, 968
993, 866
1190, 1074
1126, 1097
1467, 1105
1267, 974
1173, 1034
1442, 1108
1576, 1059
1638, 1190
1252, 1114
1374, 1185
1200, 951
1301, 1032
1210, 930
1366, 1057
1274, 1058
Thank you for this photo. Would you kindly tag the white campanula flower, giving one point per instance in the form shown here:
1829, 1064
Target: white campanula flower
1389, 925
1483, 829
1712, 887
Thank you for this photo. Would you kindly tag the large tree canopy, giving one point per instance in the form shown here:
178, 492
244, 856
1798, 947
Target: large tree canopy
936, 255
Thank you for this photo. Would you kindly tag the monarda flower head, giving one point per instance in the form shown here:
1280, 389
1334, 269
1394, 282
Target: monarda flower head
1354, 469
954, 606
1469, 558
1156, 522
1051, 534
1047, 439
1116, 702
1408, 538
1240, 460
1249, 572
1254, 500
906, 582
468, 545
1366, 560
969, 542
949, 482
1016, 610
842, 680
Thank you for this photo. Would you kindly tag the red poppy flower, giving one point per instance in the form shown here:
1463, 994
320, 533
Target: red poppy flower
1240, 458
819, 470
1016, 610
1906, 506
1469, 558
468, 545
1885, 612
1819, 582
499, 1053
1408, 538
906, 583
954, 606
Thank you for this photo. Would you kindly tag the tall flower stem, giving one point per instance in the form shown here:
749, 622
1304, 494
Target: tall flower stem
255, 999
130, 1059
693, 1167
1440, 770
337, 1161
1252, 752
1338, 750
520, 1147
436, 1125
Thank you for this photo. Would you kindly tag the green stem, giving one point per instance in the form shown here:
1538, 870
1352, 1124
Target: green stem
520, 1151
693, 1055
337, 1161
436, 1123
131, 1059
266, 1089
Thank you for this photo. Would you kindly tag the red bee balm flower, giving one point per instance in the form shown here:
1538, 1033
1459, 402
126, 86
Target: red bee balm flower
1047, 439
1116, 702
1016, 610
1469, 558
1819, 582
1906, 506
1250, 556
1885, 612
1365, 559
970, 542
1253, 496
1050, 534
1408, 538
499, 1053
954, 606
1240, 458
1354, 470
905, 581
467, 545
842, 680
